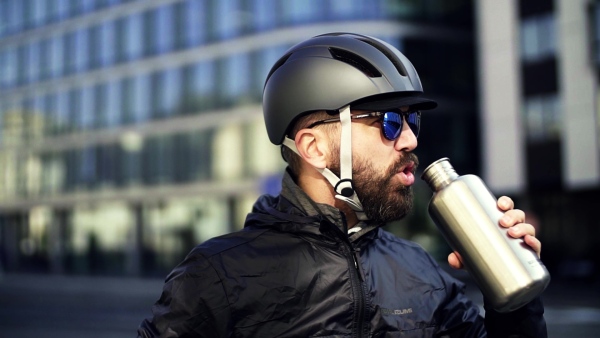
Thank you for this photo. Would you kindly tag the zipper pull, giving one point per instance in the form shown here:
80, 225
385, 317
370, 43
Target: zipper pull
357, 264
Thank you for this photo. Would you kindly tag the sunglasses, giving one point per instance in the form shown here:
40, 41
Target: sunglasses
391, 122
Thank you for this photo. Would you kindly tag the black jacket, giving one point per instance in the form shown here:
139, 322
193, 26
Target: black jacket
294, 272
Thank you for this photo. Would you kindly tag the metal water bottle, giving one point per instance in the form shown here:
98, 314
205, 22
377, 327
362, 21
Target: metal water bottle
507, 271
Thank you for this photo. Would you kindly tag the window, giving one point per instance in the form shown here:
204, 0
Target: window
106, 164
61, 115
8, 67
53, 173
99, 47
236, 78
69, 53
49, 114
141, 98
168, 94
82, 50
87, 111
22, 58
199, 87
263, 60
543, 118
33, 62
538, 37
107, 43
130, 167
301, 11
45, 49
58, 9
38, 12
345, 9
163, 30
70, 158
113, 105
56, 55
134, 38
136, 99
202, 161
38, 117
227, 28
87, 167
265, 14
192, 22
107, 104
9, 110
159, 161
85, 6
127, 102
16, 15
4, 14
75, 108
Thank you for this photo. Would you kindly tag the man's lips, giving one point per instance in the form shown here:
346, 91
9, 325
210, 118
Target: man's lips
407, 174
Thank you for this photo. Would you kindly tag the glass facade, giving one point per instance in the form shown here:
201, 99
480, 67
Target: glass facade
127, 136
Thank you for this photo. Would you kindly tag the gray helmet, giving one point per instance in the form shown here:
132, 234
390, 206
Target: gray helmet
330, 71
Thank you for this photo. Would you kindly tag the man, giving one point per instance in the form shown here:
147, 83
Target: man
314, 261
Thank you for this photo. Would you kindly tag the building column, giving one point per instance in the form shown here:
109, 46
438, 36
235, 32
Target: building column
578, 87
500, 88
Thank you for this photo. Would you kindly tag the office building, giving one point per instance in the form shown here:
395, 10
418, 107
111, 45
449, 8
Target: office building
541, 121
132, 130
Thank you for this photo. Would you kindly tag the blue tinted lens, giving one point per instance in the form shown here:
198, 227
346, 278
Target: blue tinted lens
414, 122
391, 125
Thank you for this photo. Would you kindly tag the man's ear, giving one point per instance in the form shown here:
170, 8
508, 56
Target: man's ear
313, 147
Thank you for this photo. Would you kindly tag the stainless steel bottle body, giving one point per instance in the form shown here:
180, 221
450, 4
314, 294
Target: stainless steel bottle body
507, 271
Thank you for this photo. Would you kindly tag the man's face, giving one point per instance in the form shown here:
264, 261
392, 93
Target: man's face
382, 170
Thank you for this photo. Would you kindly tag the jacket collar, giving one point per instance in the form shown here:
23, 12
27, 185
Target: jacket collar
296, 196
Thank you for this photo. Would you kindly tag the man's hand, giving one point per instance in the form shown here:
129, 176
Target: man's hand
514, 219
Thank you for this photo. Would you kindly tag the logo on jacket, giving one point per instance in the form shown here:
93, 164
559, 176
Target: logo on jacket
399, 312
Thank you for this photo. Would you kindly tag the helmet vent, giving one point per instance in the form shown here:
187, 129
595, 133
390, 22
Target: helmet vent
276, 66
389, 54
355, 61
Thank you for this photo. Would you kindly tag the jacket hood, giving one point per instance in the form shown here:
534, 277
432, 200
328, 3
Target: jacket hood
276, 209
293, 208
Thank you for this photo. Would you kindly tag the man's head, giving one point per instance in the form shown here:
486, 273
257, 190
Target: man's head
352, 82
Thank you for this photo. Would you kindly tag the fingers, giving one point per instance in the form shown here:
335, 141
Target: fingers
512, 217
514, 220
521, 230
527, 232
455, 260
505, 203
534, 243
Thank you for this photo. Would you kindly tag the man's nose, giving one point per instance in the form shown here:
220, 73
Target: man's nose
407, 141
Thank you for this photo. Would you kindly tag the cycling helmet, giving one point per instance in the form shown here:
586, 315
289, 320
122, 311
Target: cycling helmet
336, 72
330, 71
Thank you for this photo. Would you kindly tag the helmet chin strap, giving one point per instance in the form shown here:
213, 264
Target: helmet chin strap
343, 187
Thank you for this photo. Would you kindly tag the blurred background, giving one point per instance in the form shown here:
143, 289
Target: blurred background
131, 130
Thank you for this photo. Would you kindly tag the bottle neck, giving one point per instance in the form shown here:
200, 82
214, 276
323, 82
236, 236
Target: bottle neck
439, 174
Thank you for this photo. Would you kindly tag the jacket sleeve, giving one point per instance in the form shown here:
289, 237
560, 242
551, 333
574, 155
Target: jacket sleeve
461, 318
527, 321
192, 303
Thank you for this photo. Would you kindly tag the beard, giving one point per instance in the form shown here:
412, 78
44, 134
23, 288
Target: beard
382, 200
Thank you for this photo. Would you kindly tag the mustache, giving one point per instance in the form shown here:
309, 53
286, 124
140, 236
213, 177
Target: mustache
404, 160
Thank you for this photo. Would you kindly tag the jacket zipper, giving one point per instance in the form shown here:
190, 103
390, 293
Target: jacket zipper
358, 287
